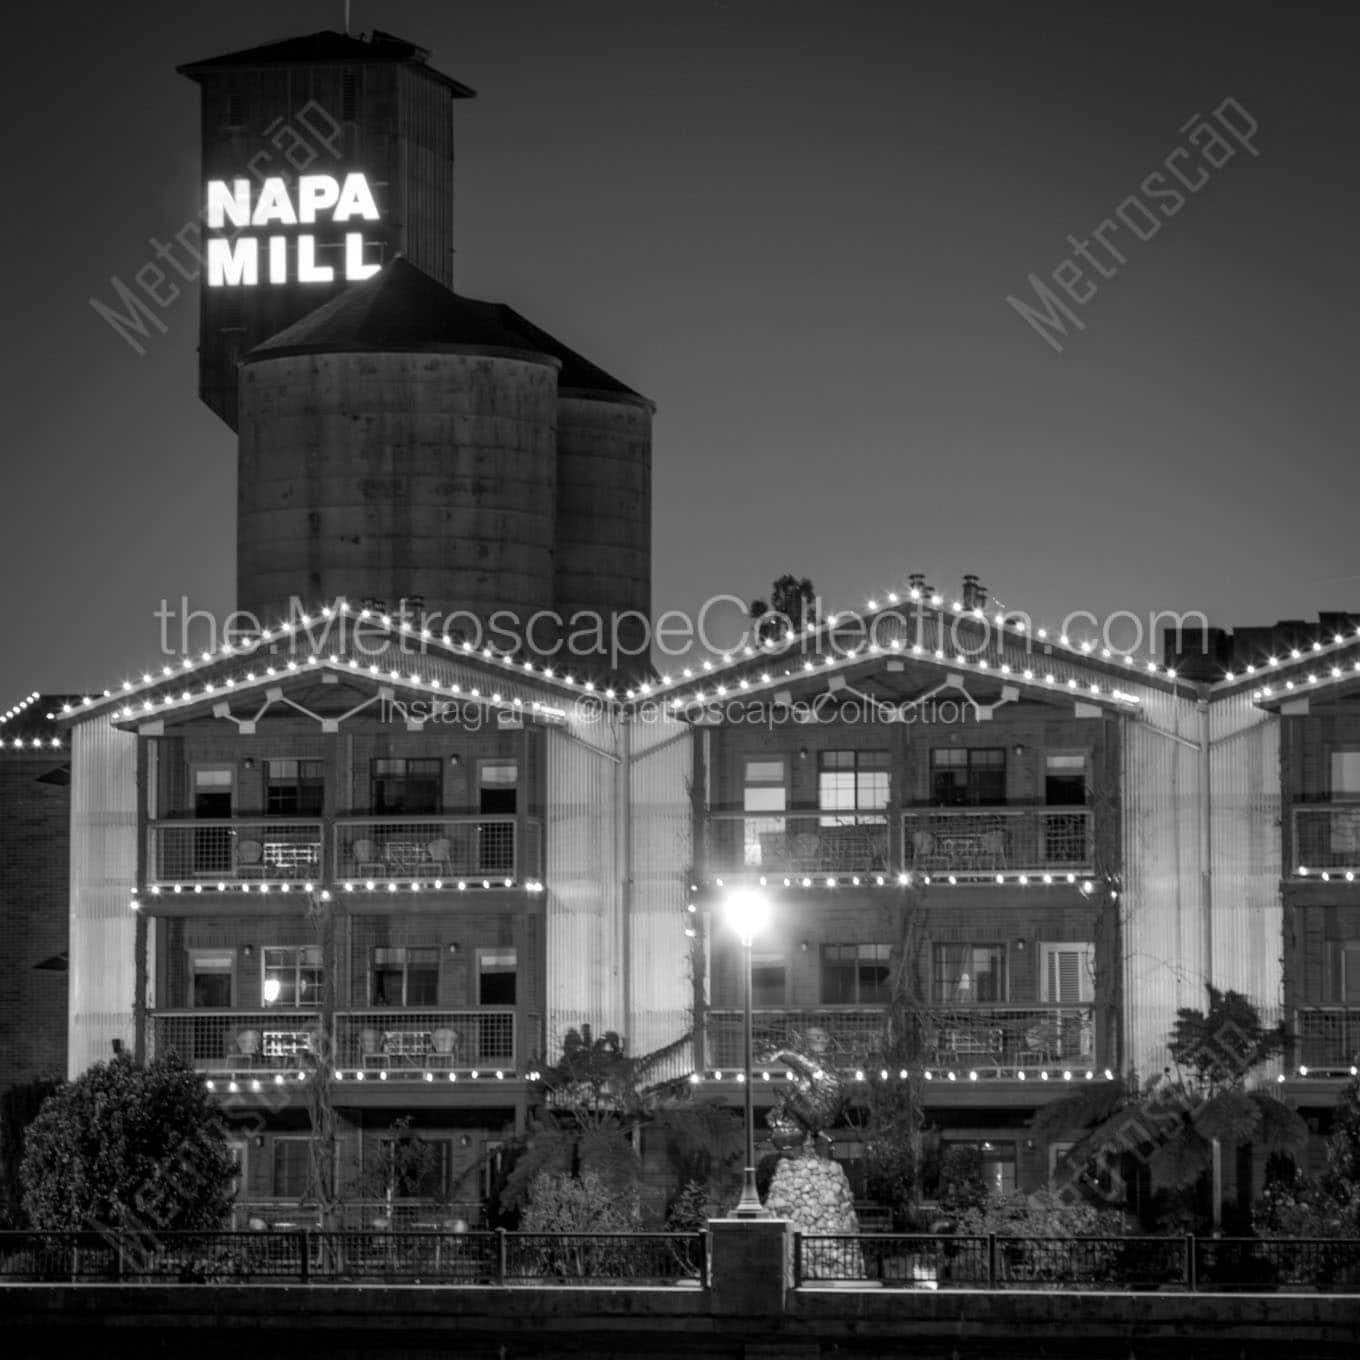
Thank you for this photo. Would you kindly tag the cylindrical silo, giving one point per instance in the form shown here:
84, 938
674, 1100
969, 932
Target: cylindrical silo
604, 517
398, 454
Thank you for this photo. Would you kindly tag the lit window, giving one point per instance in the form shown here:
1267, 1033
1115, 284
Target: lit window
293, 976
763, 790
851, 782
968, 973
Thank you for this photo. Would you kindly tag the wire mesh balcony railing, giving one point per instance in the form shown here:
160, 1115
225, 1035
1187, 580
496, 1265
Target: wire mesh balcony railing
1326, 837
406, 1043
446, 849
237, 1042
808, 844
998, 840
978, 1037
1327, 1037
234, 851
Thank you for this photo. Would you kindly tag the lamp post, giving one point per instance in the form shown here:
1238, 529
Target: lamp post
748, 911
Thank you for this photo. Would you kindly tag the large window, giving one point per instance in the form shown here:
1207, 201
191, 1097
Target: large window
1065, 780
764, 789
405, 977
294, 787
210, 974
855, 974
851, 782
407, 786
293, 976
1067, 972
496, 973
418, 1168
968, 973
291, 1167
1344, 774
1343, 970
964, 777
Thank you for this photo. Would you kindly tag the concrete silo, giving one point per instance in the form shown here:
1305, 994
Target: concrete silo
399, 442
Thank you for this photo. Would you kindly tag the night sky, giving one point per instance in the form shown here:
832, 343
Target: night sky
795, 227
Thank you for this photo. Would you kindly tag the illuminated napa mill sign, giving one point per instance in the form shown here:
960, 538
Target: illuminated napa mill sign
235, 261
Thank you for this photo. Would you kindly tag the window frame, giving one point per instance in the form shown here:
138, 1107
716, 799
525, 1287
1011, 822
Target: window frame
484, 956
1086, 972
833, 956
405, 970
971, 787
1342, 749
193, 957
938, 978
379, 779
758, 821
279, 1141
297, 785
866, 765
299, 965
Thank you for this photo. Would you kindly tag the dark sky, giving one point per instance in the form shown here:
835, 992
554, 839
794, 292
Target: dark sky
793, 225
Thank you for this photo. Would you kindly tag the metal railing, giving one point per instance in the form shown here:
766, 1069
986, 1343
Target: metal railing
307, 1256
998, 839
1326, 836
1003, 1262
234, 850
406, 1043
435, 848
1327, 1036
243, 1043
807, 843
963, 1037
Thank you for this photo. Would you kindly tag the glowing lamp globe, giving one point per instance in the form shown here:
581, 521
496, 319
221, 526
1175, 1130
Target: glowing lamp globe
747, 911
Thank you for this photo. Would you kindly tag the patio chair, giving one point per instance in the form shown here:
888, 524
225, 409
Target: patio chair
367, 860
249, 857
925, 850
439, 856
992, 850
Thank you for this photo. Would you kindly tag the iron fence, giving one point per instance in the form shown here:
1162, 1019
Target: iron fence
305, 1256
1122, 1263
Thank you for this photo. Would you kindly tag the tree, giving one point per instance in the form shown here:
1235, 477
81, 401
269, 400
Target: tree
131, 1148
19, 1106
791, 608
1175, 1125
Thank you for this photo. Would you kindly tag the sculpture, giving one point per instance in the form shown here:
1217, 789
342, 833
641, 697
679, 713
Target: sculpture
810, 1103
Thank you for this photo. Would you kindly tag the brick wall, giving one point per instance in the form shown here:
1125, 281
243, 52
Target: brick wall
34, 906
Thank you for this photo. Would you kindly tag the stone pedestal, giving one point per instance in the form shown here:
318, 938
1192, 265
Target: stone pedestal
815, 1197
750, 1265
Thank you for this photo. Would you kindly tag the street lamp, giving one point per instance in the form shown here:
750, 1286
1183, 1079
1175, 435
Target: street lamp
748, 911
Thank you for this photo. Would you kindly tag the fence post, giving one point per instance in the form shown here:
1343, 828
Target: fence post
119, 1249
1191, 1271
797, 1259
305, 1250
703, 1259
500, 1256
991, 1260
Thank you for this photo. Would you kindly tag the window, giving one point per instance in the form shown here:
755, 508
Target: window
769, 980
210, 979
418, 1168
1067, 972
855, 974
293, 975
964, 777
291, 1167
294, 787
764, 789
498, 785
496, 969
405, 977
968, 973
852, 781
212, 791
1345, 774
412, 786
1343, 970
1065, 780
997, 1162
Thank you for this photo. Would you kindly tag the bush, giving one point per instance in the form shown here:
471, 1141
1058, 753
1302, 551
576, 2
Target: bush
1052, 1250
128, 1147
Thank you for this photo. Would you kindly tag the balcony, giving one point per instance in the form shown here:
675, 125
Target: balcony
796, 845
236, 1043
982, 1037
408, 1044
480, 849
1327, 1037
234, 850
998, 840
450, 848
1326, 837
